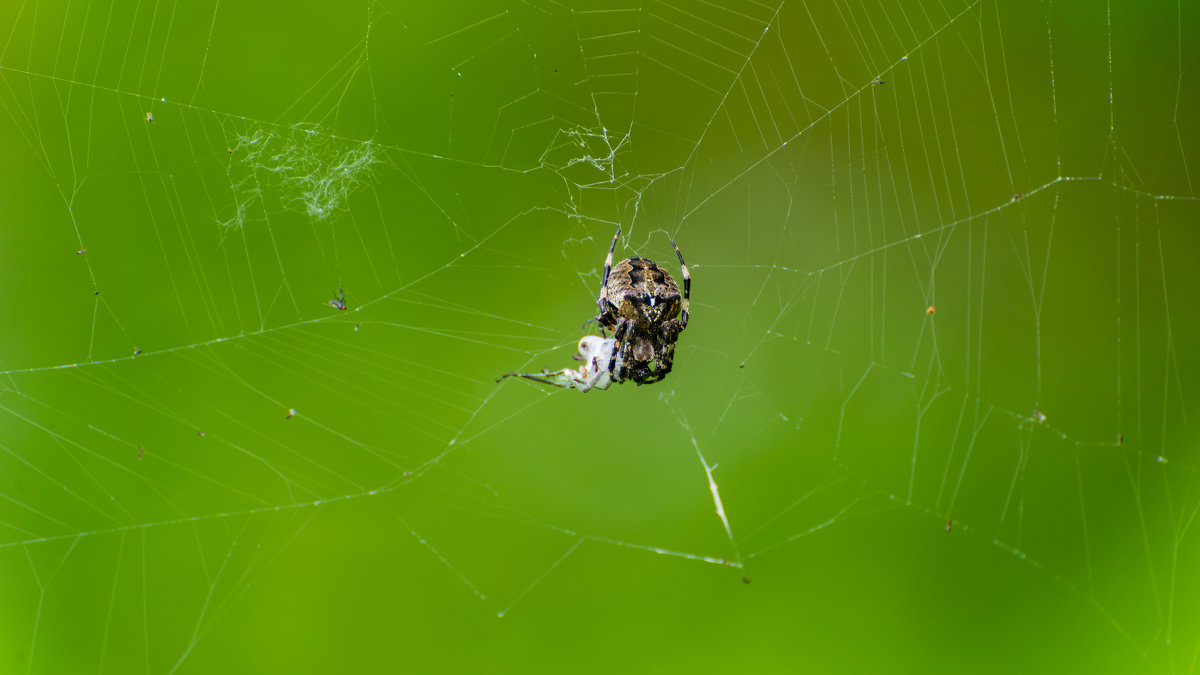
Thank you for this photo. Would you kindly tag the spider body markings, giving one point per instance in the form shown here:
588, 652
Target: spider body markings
643, 307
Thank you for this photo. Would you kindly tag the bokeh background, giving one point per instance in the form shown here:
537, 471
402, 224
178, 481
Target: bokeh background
935, 411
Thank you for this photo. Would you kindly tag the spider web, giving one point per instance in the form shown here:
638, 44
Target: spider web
933, 399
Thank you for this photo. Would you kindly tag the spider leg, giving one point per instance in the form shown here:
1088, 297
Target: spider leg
596, 319
602, 301
622, 334
687, 288
671, 330
540, 377
655, 377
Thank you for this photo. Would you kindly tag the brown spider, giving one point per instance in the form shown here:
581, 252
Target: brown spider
639, 303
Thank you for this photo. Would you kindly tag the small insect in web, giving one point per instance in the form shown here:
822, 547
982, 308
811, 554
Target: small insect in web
149, 117
339, 299
595, 352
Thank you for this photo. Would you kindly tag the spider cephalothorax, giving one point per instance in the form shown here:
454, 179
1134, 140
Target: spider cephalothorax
639, 303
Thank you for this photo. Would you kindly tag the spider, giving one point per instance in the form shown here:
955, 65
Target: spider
596, 352
639, 303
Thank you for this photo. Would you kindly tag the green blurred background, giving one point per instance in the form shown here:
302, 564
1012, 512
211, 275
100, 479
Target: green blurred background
941, 365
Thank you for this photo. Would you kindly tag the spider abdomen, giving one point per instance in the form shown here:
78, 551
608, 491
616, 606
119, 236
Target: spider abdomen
641, 290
